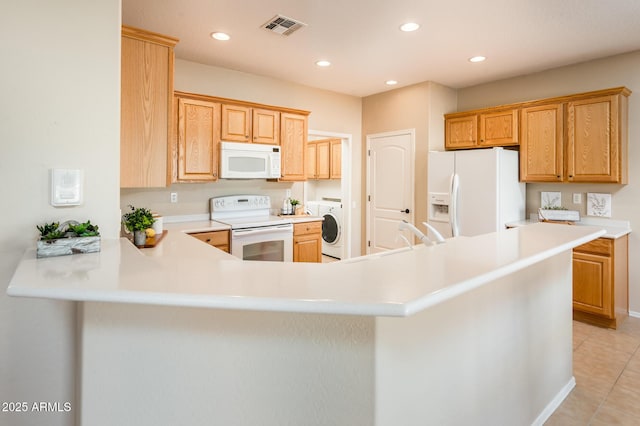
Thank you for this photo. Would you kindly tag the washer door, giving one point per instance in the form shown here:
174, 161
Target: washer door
330, 229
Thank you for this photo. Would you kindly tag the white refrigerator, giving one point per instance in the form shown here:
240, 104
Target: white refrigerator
474, 192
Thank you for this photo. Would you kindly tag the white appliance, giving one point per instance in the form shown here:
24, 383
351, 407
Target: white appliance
475, 191
332, 225
255, 233
249, 161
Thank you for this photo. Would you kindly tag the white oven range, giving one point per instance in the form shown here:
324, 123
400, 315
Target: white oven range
255, 233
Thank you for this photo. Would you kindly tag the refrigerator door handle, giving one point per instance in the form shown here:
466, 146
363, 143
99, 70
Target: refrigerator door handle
453, 205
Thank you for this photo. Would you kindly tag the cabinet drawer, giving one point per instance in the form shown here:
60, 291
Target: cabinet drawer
215, 238
599, 246
307, 228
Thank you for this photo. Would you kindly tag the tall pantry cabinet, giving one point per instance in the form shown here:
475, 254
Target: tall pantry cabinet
147, 62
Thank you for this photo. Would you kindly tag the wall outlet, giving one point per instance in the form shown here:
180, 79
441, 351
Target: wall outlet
288, 193
577, 198
174, 197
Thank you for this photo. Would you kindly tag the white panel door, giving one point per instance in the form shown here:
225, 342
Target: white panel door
389, 189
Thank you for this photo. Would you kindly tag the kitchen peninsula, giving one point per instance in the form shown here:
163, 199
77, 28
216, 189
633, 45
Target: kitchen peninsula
477, 330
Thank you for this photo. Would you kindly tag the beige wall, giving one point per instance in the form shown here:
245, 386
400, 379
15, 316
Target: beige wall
330, 112
61, 89
621, 70
420, 107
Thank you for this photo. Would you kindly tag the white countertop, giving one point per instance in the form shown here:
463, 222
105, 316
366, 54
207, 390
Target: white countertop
613, 228
181, 271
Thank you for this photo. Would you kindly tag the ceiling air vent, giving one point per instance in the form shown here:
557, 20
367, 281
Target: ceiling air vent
282, 25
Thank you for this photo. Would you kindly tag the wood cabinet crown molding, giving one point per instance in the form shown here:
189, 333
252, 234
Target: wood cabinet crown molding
538, 102
227, 101
149, 36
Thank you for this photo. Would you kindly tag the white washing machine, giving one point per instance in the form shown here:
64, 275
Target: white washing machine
332, 227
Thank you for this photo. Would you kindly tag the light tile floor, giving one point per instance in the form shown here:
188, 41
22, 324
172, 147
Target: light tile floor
606, 365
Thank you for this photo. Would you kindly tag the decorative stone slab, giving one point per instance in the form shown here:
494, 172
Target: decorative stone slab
66, 246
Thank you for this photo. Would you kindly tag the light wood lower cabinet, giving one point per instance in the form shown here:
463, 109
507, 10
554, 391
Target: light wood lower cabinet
601, 281
218, 239
307, 242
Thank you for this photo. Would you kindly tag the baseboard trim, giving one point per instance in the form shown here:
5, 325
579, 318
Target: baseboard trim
634, 314
555, 403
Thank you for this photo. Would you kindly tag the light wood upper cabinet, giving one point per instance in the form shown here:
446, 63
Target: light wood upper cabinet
336, 159
202, 121
245, 124
573, 138
461, 132
198, 131
147, 61
312, 162
597, 139
236, 123
324, 159
541, 144
499, 128
266, 126
293, 140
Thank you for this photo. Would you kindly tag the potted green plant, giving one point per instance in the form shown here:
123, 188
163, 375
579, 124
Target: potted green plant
137, 221
70, 237
294, 204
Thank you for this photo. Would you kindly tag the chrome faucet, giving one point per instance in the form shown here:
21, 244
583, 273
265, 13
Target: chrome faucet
422, 237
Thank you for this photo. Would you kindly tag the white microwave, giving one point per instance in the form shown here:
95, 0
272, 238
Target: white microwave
249, 161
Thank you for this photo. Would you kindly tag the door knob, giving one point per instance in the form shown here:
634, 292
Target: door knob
405, 211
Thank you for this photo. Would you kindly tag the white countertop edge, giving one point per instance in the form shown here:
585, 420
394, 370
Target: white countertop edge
322, 306
450, 292
218, 302
614, 229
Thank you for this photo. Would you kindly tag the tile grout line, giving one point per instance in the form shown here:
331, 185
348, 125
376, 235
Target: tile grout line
593, 416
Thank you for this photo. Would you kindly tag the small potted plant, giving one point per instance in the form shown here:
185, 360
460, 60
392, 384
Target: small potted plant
294, 205
69, 237
138, 220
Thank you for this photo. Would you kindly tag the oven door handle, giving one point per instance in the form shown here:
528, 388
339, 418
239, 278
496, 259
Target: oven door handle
265, 230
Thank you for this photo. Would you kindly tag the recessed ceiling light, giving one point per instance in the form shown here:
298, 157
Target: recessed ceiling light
220, 36
323, 63
409, 26
477, 59
391, 82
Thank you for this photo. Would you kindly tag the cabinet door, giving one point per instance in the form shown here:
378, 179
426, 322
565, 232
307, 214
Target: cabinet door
312, 173
236, 123
198, 140
336, 159
499, 128
594, 142
293, 140
266, 126
146, 108
218, 239
307, 242
541, 144
323, 158
461, 132
592, 285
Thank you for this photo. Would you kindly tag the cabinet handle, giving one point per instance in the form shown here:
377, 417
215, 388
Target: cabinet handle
405, 211
208, 240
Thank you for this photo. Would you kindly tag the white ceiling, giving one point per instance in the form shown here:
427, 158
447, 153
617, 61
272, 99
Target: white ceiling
362, 40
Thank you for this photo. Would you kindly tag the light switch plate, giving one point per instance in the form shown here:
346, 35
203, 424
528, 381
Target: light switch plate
577, 198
